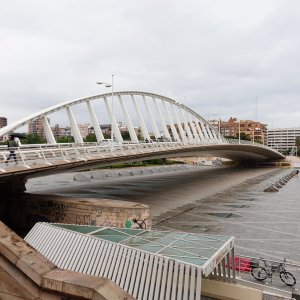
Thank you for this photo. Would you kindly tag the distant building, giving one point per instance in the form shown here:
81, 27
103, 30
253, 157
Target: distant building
233, 127
36, 127
84, 129
59, 132
3, 122
283, 139
66, 131
106, 128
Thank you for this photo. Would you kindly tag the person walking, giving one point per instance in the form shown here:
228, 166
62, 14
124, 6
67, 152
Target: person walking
12, 144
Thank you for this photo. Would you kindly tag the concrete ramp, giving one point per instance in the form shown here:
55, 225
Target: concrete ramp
26, 274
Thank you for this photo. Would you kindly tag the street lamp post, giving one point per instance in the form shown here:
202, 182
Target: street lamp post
108, 85
239, 131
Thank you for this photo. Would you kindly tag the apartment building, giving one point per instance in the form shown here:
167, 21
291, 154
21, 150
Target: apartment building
253, 130
3, 122
283, 139
36, 127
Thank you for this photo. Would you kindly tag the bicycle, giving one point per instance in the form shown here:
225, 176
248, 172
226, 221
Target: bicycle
140, 223
261, 273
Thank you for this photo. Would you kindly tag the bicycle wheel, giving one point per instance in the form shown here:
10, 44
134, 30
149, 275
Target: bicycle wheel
259, 273
287, 278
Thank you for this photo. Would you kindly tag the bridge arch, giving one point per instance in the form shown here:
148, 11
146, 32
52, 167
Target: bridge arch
167, 118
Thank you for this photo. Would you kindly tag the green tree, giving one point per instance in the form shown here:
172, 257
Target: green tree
34, 139
243, 136
297, 143
90, 138
106, 135
65, 139
286, 152
125, 135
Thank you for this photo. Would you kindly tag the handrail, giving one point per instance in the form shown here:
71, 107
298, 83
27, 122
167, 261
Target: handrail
46, 153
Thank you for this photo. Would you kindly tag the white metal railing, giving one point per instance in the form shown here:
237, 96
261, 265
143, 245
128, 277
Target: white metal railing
244, 142
29, 155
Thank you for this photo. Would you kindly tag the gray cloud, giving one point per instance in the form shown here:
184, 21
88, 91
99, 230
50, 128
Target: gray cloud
218, 57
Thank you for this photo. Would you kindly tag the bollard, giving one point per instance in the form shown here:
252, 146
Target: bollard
271, 188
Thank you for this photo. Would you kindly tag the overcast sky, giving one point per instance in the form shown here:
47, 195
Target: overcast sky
221, 58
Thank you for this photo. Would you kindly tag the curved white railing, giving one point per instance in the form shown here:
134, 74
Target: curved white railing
244, 142
35, 156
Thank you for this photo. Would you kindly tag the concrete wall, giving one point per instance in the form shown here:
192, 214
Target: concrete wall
229, 291
27, 209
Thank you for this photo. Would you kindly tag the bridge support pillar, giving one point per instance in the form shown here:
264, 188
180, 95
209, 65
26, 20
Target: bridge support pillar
9, 191
13, 186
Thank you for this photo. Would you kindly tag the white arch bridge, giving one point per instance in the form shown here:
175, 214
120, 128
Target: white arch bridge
168, 129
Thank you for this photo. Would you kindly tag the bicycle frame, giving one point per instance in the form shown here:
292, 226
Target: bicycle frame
260, 272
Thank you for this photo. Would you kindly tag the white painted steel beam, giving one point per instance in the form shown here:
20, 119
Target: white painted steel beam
152, 120
192, 125
200, 133
171, 122
210, 136
145, 131
162, 120
178, 123
214, 134
186, 125
115, 128
95, 122
131, 130
204, 130
74, 126
48, 132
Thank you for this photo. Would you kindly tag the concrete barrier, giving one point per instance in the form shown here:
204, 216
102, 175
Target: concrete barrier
279, 183
229, 291
26, 274
29, 209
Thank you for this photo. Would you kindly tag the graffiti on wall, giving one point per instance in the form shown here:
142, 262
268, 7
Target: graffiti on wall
83, 219
135, 224
55, 211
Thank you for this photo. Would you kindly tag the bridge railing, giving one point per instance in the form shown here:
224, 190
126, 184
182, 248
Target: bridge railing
244, 142
49, 153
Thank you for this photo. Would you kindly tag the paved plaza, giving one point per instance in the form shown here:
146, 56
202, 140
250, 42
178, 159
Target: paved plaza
211, 200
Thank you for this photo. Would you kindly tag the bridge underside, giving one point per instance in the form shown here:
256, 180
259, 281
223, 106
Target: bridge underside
14, 179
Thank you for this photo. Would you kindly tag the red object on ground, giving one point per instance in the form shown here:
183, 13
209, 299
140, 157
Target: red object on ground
241, 264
